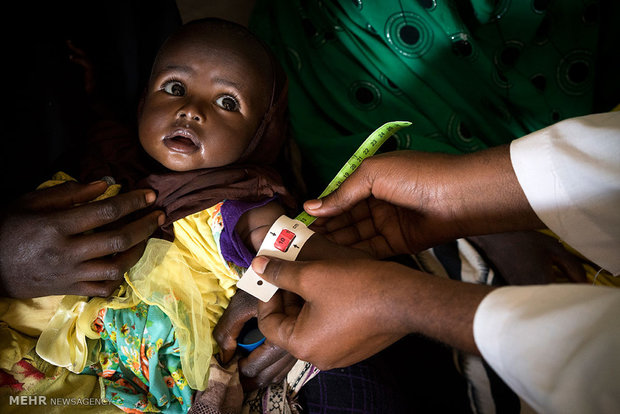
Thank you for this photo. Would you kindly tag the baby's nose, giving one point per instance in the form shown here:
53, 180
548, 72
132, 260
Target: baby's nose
193, 115
191, 109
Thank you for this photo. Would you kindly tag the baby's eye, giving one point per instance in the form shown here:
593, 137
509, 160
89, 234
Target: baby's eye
227, 103
175, 88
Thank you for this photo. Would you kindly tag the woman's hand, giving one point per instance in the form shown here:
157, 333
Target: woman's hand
52, 241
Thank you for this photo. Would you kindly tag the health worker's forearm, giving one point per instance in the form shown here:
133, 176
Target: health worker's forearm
483, 195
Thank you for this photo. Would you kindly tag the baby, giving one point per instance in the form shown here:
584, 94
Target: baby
213, 117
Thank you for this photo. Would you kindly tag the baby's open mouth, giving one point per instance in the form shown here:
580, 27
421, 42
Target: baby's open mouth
182, 141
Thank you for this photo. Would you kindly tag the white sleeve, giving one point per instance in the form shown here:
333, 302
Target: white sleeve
570, 173
556, 346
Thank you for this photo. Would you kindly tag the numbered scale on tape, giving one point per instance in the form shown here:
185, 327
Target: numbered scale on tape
287, 236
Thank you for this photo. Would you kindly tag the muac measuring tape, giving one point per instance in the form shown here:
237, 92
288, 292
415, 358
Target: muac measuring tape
282, 240
368, 148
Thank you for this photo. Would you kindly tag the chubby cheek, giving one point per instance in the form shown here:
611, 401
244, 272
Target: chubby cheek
224, 141
240, 135
151, 130
235, 143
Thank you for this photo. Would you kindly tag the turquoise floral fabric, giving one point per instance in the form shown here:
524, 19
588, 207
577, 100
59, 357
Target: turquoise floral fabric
139, 361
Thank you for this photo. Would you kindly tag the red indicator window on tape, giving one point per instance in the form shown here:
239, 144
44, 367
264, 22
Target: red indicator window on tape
284, 240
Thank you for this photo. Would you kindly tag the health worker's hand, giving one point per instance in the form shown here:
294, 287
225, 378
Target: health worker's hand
406, 201
349, 313
52, 241
354, 308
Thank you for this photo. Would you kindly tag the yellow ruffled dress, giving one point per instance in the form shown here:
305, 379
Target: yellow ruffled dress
187, 279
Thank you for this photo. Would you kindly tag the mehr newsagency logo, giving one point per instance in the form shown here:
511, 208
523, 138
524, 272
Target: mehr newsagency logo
34, 400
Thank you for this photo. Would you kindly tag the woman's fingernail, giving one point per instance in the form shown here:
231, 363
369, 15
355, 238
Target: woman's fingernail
150, 196
160, 219
259, 264
313, 204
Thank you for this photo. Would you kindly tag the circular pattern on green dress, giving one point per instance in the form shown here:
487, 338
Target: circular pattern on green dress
500, 79
294, 58
460, 135
540, 6
507, 56
364, 95
574, 73
408, 34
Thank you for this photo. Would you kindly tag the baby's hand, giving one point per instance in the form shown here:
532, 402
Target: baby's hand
266, 364
242, 308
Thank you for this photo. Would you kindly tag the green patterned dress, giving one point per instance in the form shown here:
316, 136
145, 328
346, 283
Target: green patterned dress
469, 74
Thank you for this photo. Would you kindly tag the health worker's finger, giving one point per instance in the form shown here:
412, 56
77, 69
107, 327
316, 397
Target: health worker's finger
357, 187
281, 273
277, 318
274, 322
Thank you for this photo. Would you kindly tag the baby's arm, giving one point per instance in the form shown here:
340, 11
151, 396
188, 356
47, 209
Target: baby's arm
254, 225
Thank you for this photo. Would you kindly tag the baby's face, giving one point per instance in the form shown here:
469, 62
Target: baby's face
204, 102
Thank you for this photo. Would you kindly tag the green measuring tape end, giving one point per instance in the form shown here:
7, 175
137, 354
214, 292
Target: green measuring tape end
368, 148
